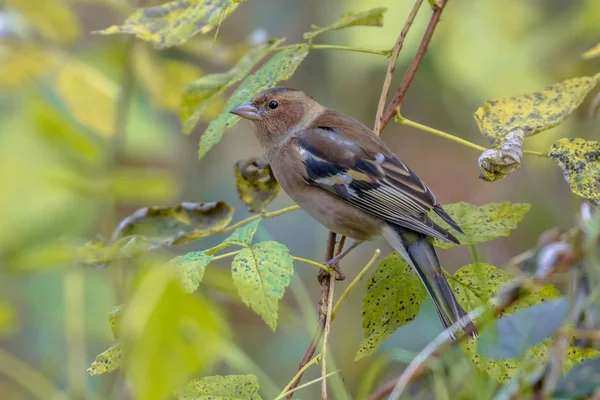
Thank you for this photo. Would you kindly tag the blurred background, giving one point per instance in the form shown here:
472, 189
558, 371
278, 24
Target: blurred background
75, 158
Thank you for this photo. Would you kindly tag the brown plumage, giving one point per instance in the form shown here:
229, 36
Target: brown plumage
345, 177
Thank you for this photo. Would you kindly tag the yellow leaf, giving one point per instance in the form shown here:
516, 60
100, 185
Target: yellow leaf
580, 161
107, 361
533, 112
55, 19
255, 183
88, 95
175, 22
593, 52
233, 387
163, 79
23, 62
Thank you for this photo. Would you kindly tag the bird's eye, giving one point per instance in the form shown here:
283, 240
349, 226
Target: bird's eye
273, 104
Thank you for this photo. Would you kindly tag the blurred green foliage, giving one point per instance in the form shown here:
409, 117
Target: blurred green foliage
90, 134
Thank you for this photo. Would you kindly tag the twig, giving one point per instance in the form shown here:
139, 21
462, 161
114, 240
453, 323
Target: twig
286, 389
312, 347
390, 110
326, 338
313, 263
392, 66
291, 391
271, 214
353, 284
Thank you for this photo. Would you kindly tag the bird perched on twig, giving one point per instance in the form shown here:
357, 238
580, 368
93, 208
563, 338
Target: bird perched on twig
344, 176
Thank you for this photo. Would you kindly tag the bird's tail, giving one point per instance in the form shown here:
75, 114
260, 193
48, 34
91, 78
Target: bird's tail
418, 251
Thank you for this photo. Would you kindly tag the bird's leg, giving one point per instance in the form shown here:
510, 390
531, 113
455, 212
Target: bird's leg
334, 262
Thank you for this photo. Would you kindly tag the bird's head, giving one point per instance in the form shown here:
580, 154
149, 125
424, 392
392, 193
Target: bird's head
278, 112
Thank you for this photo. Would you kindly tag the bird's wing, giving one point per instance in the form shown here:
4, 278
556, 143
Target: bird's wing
377, 182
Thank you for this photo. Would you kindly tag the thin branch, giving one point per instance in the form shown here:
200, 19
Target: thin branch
312, 347
291, 391
353, 284
286, 389
392, 66
271, 214
326, 338
390, 110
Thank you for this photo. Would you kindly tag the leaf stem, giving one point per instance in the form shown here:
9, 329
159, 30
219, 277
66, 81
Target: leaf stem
351, 48
285, 390
221, 256
392, 66
271, 214
30, 379
353, 284
405, 121
313, 263
474, 254
437, 132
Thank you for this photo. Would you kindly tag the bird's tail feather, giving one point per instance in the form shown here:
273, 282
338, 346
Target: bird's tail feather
420, 253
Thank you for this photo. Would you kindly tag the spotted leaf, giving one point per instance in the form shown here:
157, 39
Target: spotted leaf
579, 160
107, 361
393, 299
534, 112
261, 273
175, 22
482, 223
255, 183
230, 387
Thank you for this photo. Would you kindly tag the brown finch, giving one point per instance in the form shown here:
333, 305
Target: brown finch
344, 176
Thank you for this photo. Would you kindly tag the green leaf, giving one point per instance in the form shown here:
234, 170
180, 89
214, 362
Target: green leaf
482, 223
580, 161
175, 22
473, 286
593, 52
114, 320
230, 387
169, 336
372, 17
190, 268
243, 235
512, 335
255, 183
393, 299
107, 361
198, 95
261, 273
582, 380
534, 112
279, 68
173, 225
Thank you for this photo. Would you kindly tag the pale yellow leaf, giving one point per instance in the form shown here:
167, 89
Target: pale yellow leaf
88, 95
55, 19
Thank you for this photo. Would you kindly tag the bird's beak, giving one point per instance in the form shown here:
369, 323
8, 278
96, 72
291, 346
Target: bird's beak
247, 111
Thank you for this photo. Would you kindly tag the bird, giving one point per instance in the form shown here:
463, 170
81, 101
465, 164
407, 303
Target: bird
344, 176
